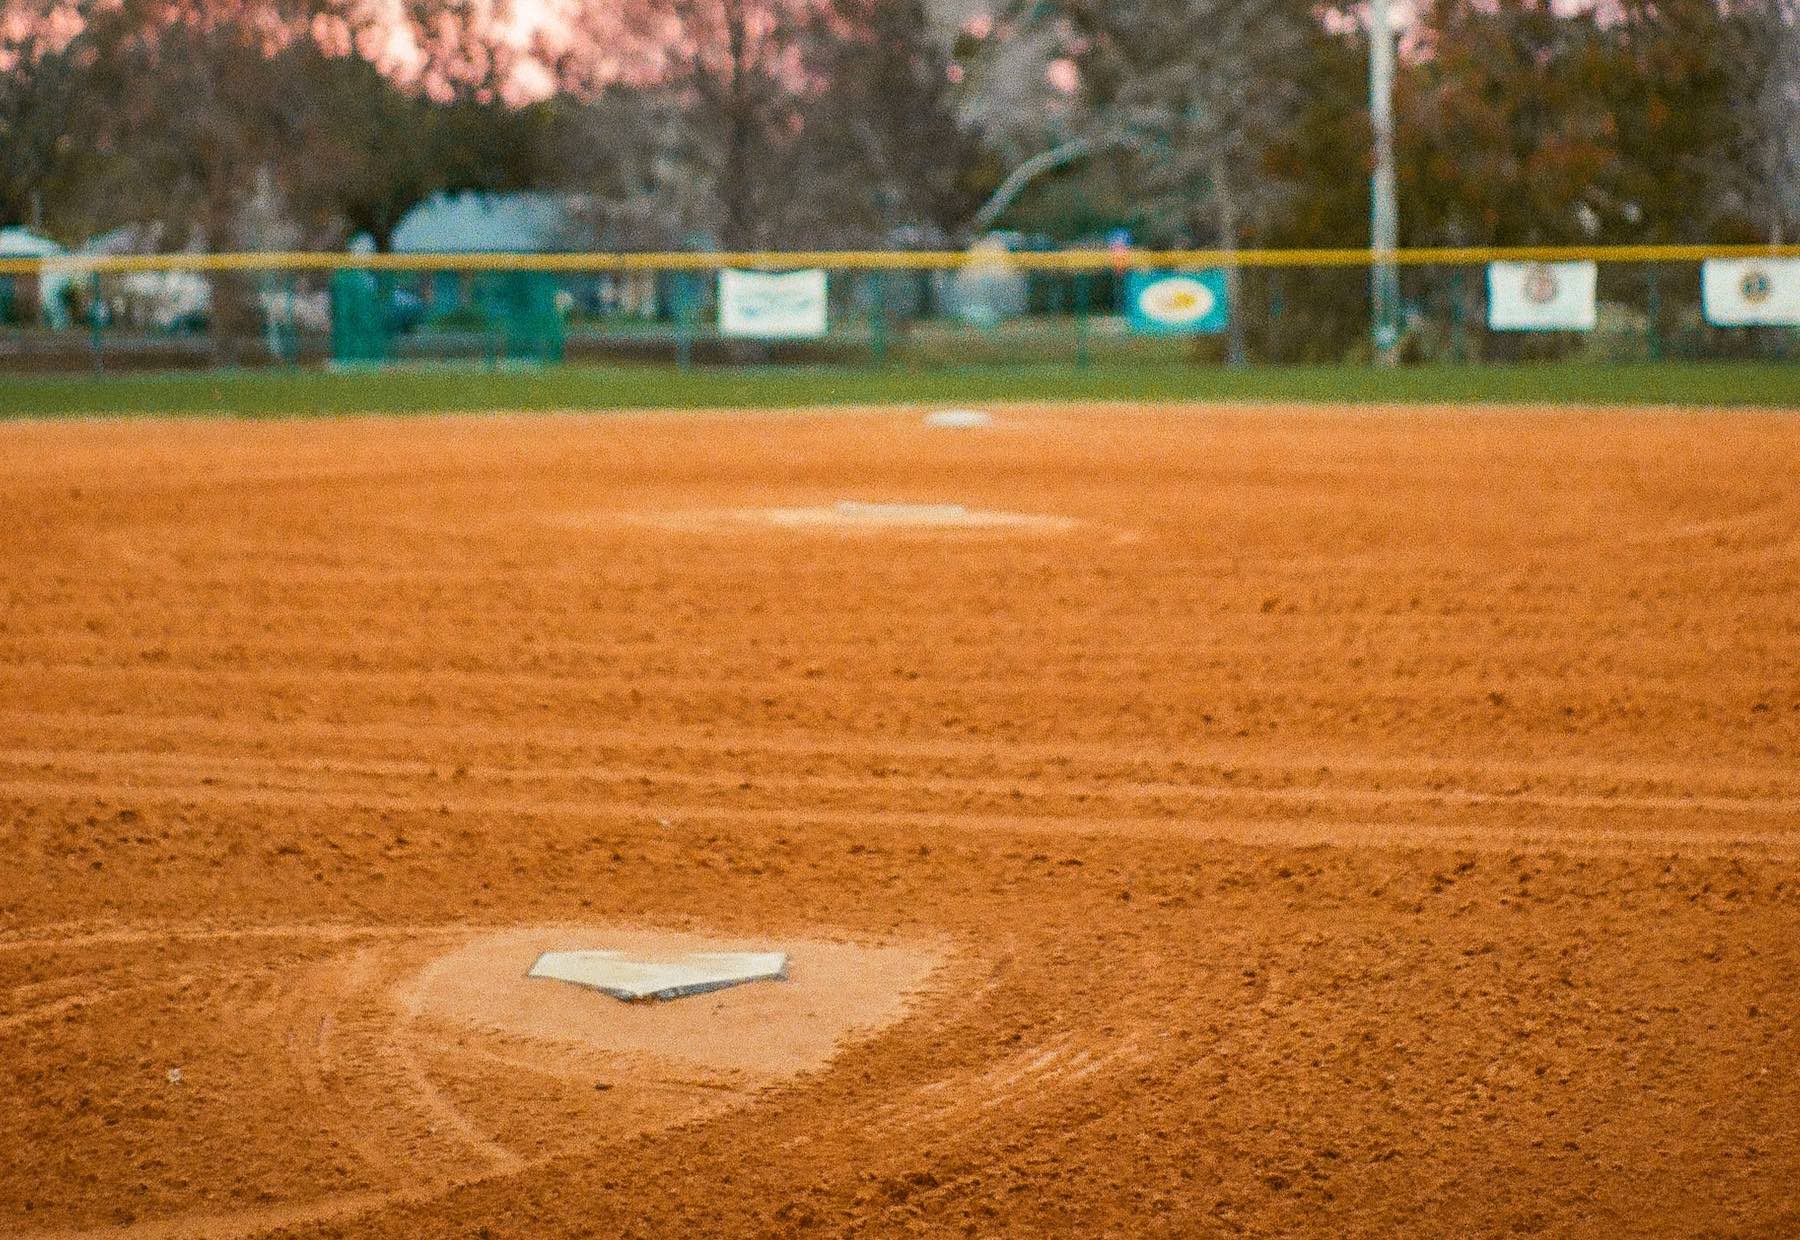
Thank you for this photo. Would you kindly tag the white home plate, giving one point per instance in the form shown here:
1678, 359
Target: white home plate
623, 977
959, 419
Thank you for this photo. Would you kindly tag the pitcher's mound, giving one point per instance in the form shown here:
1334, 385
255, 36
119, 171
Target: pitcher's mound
846, 516
855, 514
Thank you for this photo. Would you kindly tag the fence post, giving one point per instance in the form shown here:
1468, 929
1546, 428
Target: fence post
293, 328
1653, 314
491, 340
1082, 293
1459, 344
878, 317
684, 320
1236, 317
94, 310
1272, 350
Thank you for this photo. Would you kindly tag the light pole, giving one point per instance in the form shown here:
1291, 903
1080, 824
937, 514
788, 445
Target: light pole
1384, 208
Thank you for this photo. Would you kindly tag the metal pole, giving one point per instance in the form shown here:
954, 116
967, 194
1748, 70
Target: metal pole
1273, 350
1384, 208
684, 320
878, 317
95, 307
1459, 343
292, 342
1082, 357
1234, 308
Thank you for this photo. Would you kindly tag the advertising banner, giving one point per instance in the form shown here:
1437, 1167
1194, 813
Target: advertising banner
1176, 303
1542, 297
763, 305
1751, 292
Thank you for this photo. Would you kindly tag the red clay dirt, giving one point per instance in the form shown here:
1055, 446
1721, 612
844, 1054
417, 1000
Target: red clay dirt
1311, 823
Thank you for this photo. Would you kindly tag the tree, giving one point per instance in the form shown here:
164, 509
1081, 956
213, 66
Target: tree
40, 94
372, 148
1189, 92
1505, 133
893, 157
190, 115
1777, 105
735, 68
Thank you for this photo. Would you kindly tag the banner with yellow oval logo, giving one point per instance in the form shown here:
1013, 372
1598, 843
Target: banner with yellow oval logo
1176, 303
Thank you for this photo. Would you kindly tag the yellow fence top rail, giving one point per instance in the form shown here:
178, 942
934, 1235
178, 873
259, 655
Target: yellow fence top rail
877, 260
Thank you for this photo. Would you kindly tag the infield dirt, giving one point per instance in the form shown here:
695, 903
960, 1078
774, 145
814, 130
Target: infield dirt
1299, 822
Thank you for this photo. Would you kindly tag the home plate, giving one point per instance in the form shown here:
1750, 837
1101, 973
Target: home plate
629, 978
959, 419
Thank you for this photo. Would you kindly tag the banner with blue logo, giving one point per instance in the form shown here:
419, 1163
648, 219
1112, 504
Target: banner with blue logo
1177, 303
772, 305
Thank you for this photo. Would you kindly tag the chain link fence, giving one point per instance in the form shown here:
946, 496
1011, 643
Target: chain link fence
196, 312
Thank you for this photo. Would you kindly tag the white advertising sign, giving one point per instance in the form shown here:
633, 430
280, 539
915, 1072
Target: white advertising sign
769, 306
1542, 297
1751, 292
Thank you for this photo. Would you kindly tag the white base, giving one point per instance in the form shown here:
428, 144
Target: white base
958, 419
616, 974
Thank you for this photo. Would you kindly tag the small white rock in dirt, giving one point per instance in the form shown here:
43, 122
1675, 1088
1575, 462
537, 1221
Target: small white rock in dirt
959, 419
174, 1076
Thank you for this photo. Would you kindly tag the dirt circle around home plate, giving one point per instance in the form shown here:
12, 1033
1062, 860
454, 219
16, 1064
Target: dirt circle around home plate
761, 1031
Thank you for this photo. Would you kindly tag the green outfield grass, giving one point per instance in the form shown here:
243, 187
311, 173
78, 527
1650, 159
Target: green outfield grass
450, 390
